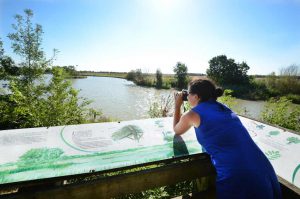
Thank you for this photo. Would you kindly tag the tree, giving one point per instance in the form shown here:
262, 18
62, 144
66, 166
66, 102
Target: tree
32, 102
131, 75
159, 80
7, 65
26, 42
180, 71
225, 71
1, 48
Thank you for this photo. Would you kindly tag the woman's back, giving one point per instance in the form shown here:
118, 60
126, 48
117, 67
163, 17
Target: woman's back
234, 154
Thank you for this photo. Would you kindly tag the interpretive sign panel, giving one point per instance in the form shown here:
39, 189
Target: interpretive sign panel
39, 153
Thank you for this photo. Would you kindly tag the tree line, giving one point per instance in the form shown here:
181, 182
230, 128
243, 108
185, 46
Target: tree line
179, 81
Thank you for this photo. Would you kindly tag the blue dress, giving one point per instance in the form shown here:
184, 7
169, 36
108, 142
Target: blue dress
243, 171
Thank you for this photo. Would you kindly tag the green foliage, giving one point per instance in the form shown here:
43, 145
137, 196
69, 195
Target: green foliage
26, 42
271, 82
287, 82
131, 75
181, 77
69, 70
7, 65
63, 102
159, 81
186, 106
38, 104
1, 48
96, 116
31, 102
282, 113
226, 71
140, 78
161, 107
8, 68
171, 191
294, 98
227, 99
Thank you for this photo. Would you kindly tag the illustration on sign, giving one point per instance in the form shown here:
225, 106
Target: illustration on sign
272, 155
273, 133
293, 140
40, 153
131, 131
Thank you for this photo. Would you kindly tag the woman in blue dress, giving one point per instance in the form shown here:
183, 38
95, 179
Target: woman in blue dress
243, 171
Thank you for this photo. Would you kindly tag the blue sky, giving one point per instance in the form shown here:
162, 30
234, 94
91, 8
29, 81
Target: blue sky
121, 35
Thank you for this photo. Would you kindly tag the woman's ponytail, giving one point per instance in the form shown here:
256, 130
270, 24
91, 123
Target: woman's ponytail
218, 92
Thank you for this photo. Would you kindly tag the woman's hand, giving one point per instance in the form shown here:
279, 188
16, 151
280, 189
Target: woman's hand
178, 99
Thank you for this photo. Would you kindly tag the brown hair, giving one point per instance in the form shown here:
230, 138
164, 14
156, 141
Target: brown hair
206, 89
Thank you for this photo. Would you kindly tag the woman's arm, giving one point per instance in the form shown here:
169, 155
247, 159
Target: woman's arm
183, 123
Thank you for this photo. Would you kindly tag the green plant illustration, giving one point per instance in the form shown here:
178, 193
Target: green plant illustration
293, 140
273, 155
51, 162
159, 123
130, 131
295, 172
168, 136
260, 126
40, 156
273, 133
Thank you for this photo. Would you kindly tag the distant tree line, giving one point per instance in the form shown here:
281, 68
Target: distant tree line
69, 70
180, 80
231, 75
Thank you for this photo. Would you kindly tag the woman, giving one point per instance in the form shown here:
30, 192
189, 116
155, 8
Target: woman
243, 171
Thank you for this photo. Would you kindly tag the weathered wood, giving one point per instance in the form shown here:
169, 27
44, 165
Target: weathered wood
128, 183
288, 185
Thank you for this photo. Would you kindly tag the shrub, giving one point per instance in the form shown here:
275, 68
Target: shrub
282, 113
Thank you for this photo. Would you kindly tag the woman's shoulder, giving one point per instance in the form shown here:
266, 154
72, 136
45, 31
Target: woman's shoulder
193, 117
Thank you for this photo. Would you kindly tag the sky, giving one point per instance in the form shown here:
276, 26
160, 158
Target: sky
124, 35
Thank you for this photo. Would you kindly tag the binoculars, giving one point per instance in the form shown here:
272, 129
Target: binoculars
185, 93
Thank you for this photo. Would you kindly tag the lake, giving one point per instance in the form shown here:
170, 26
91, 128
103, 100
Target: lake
123, 100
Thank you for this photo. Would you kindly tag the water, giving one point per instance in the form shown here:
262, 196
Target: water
250, 108
123, 100
119, 98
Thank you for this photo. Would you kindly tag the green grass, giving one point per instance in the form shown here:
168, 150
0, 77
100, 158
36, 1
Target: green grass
103, 74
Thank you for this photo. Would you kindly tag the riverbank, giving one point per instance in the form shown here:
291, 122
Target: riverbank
256, 90
121, 75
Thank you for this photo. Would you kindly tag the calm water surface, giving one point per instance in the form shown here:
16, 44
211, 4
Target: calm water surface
123, 100
119, 98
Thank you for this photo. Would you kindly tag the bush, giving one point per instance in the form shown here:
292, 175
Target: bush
227, 99
161, 107
294, 98
282, 113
